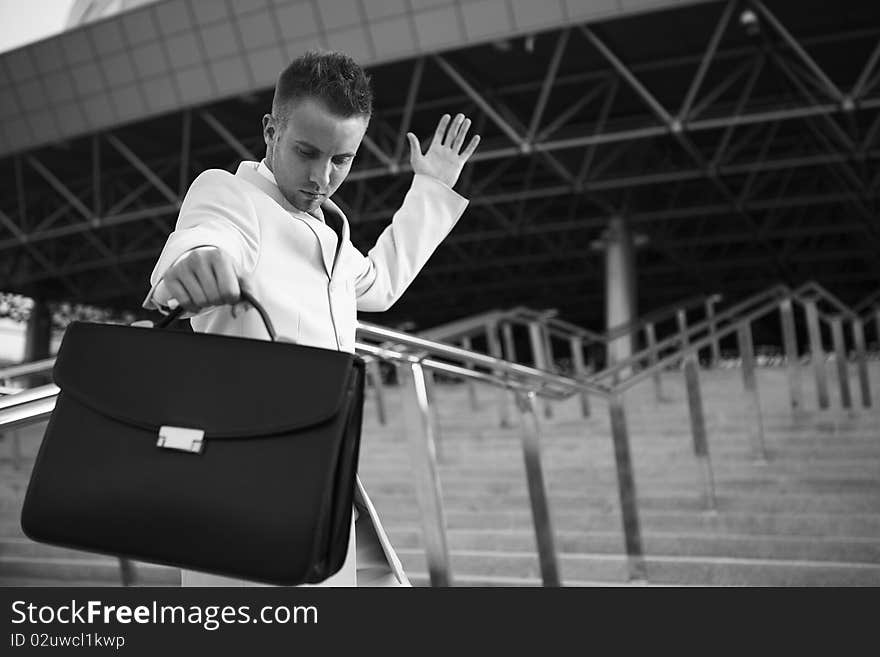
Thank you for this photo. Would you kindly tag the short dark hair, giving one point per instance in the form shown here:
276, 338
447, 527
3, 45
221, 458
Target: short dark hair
334, 78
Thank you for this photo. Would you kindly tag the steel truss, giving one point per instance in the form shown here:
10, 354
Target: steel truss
747, 159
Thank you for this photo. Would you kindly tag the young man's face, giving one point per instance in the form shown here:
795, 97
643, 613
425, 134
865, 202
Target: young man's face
312, 152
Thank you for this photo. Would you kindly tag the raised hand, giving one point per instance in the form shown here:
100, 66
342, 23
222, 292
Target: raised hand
444, 158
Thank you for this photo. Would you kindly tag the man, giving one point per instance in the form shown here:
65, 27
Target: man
272, 230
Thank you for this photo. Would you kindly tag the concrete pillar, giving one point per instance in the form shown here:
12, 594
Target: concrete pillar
619, 246
38, 336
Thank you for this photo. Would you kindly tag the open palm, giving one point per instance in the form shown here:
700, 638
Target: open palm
444, 159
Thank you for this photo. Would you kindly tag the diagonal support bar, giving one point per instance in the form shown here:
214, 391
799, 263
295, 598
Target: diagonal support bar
482, 103
627, 75
61, 188
228, 137
141, 166
411, 96
707, 60
547, 85
830, 87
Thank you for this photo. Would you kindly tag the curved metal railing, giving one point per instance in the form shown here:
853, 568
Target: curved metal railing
417, 358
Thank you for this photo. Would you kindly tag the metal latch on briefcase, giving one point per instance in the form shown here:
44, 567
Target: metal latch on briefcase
187, 440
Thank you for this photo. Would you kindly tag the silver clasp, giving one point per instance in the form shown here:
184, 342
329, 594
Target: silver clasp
187, 440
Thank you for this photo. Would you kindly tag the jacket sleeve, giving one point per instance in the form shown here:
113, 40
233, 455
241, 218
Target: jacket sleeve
216, 213
429, 211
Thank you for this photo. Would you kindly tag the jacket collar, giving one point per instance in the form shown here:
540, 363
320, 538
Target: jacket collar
248, 171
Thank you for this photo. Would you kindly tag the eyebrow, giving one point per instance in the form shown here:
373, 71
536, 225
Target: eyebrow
300, 142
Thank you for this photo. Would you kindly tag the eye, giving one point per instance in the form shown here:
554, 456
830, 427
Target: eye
341, 159
304, 152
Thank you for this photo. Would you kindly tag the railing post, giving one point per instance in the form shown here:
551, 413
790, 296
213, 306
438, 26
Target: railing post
16, 450
539, 356
507, 337
626, 487
793, 368
858, 331
503, 394
537, 491
471, 386
698, 427
716, 348
580, 369
841, 361
651, 338
817, 356
14, 439
681, 316
877, 323
431, 394
374, 375
753, 403
420, 430
127, 576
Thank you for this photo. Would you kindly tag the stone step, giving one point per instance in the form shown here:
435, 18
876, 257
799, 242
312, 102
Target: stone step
709, 544
74, 583
708, 571
833, 524
94, 568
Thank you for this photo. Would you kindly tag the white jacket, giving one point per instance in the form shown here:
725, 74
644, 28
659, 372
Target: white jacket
310, 286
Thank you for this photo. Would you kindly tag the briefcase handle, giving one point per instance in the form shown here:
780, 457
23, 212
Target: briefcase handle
245, 296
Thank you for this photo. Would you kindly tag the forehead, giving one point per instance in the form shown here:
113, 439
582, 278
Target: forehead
309, 120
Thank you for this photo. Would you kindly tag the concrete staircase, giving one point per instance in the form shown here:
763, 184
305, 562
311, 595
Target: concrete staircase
809, 515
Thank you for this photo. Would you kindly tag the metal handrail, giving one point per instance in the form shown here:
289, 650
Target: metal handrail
415, 353
527, 382
22, 369
869, 303
513, 375
701, 343
813, 288
442, 350
656, 316
688, 333
559, 327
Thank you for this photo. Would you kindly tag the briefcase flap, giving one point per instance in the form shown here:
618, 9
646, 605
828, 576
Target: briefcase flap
225, 386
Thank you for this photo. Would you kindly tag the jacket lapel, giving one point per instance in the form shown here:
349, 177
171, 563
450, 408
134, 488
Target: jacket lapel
329, 207
323, 233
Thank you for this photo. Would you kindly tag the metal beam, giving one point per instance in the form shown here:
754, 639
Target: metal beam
707, 60
628, 75
547, 86
147, 172
830, 87
415, 82
62, 189
481, 102
244, 152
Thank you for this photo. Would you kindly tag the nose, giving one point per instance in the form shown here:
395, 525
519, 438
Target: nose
320, 174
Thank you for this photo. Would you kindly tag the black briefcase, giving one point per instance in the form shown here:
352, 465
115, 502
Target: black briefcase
227, 455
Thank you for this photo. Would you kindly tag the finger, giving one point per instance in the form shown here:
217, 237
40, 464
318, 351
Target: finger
415, 149
197, 297
246, 285
179, 294
227, 281
462, 133
453, 130
471, 147
204, 272
441, 130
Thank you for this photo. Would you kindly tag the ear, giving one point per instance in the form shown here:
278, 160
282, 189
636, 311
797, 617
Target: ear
270, 130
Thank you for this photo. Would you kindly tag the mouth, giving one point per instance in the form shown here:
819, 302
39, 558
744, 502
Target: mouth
312, 196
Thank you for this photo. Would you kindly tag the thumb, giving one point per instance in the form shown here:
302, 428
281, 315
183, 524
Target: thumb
245, 284
415, 149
